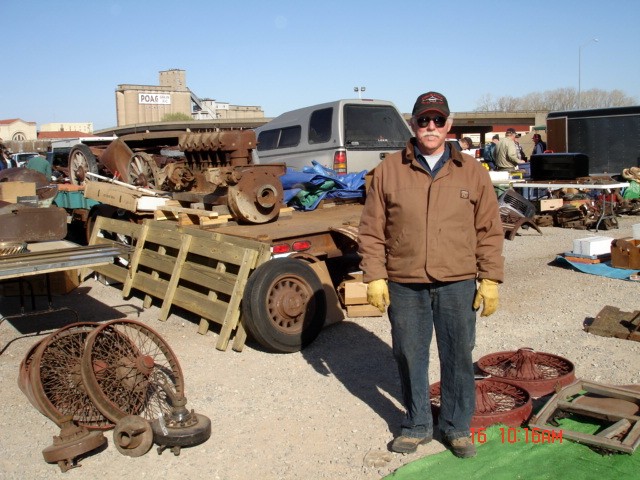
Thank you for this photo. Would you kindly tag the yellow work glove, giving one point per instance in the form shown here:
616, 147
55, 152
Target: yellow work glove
487, 293
378, 294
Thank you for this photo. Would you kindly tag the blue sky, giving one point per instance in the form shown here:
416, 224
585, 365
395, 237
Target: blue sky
63, 59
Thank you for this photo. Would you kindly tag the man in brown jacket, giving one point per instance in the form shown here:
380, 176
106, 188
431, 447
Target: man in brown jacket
430, 230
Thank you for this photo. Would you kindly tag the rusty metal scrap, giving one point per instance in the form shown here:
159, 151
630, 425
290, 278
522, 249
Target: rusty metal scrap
611, 322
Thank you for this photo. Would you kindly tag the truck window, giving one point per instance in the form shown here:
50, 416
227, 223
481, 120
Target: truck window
320, 126
368, 126
290, 137
279, 138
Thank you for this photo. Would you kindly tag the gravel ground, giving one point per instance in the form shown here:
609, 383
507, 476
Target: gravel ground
329, 411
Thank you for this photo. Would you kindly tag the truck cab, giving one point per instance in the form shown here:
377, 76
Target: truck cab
344, 135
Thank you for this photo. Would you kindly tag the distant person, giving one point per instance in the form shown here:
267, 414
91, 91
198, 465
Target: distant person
40, 164
489, 153
538, 145
5, 161
467, 146
507, 152
521, 155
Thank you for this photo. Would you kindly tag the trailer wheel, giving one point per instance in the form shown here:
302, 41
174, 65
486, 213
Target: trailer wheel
81, 161
284, 305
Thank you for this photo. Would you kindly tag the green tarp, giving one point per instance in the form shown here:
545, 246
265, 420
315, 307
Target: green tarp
508, 454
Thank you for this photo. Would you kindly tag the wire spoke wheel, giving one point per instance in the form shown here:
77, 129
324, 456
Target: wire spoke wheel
129, 370
539, 373
56, 381
496, 402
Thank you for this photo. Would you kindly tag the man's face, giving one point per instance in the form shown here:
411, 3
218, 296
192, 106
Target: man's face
430, 129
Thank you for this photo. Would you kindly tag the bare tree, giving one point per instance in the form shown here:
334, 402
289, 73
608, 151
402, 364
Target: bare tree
558, 99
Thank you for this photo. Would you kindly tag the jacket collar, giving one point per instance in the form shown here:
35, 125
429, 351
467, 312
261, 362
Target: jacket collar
454, 154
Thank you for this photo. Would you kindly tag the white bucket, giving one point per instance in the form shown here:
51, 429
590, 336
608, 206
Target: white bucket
635, 229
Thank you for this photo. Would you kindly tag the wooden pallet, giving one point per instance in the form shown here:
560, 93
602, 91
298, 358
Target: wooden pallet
200, 271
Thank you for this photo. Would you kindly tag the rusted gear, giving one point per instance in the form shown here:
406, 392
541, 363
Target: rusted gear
181, 428
496, 402
133, 436
72, 442
56, 381
179, 177
128, 369
538, 373
256, 198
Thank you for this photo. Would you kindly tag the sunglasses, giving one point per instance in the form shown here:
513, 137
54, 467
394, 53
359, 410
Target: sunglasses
438, 121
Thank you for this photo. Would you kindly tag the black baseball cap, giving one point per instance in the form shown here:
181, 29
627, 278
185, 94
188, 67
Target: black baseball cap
431, 102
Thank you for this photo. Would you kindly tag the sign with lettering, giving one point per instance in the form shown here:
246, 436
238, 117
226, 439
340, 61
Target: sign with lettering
154, 98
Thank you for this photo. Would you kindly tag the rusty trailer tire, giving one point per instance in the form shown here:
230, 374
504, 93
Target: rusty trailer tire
284, 305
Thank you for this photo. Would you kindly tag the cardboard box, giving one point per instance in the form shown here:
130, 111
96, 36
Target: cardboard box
625, 253
549, 204
367, 310
61, 283
353, 293
592, 245
10, 191
122, 197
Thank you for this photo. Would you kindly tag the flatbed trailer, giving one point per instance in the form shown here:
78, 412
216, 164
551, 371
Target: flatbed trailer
289, 291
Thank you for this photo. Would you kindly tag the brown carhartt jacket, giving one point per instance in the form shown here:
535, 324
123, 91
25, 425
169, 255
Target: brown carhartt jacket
415, 228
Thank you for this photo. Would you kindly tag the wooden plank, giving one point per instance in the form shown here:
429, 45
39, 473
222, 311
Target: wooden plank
633, 436
226, 252
210, 278
596, 412
232, 315
135, 260
615, 429
175, 277
198, 303
189, 211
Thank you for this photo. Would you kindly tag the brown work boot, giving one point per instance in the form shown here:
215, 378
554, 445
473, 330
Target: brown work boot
462, 447
404, 444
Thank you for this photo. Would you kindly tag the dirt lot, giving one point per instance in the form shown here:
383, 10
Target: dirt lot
325, 412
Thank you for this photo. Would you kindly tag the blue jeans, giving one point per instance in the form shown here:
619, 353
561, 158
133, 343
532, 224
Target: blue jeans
415, 310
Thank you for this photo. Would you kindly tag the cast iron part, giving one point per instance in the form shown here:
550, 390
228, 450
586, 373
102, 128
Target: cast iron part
538, 373
182, 428
133, 436
496, 402
72, 442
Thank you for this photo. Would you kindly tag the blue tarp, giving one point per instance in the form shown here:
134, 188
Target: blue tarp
603, 269
305, 189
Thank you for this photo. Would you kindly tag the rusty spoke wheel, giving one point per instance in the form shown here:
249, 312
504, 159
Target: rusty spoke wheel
129, 370
141, 171
496, 402
81, 162
56, 381
538, 373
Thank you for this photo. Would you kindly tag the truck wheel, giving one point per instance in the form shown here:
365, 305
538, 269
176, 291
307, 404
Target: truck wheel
284, 305
81, 161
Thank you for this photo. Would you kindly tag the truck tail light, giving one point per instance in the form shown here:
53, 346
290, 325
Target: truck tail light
280, 248
340, 162
301, 245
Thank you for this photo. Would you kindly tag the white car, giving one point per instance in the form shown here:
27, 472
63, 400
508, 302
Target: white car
21, 159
